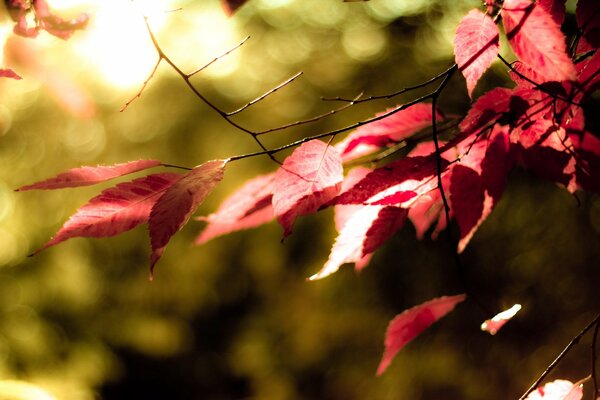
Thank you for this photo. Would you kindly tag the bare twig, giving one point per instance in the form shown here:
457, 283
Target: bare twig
217, 58
562, 354
264, 95
391, 95
139, 94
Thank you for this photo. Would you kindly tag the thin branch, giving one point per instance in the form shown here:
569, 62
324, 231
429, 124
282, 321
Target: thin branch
335, 131
537, 85
264, 95
217, 58
562, 354
139, 94
175, 166
391, 95
305, 121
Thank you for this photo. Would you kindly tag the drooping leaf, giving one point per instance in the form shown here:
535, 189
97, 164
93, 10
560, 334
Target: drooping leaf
392, 129
494, 324
115, 210
174, 208
477, 183
364, 232
9, 73
537, 40
476, 46
249, 207
559, 389
85, 176
412, 322
231, 6
309, 177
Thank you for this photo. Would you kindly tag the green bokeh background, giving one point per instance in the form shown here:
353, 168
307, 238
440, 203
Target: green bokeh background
236, 318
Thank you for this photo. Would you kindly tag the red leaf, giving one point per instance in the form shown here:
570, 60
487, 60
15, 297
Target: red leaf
231, 6
415, 169
412, 322
392, 129
28, 26
364, 232
85, 176
248, 207
342, 213
9, 73
174, 208
486, 109
589, 74
309, 177
115, 210
493, 325
537, 40
556, 9
587, 15
543, 149
559, 389
55, 25
475, 46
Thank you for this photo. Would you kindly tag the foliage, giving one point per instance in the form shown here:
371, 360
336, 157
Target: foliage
456, 168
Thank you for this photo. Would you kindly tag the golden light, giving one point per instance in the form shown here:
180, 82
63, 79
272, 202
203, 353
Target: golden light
116, 44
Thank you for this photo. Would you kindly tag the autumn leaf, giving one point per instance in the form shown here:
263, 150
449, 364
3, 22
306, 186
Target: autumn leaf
476, 46
555, 8
26, 26
395, 173
494, 324
85, 176
587, 15
248, 207
559, 389
487, 109
364, 232
9, 73
175, 207
412, 322
389, 130
115, 210
310, 177
537, 40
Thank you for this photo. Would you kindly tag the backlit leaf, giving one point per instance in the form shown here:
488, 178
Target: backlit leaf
309, 177
559, 389
537, 40
412, 322
365, 231
494, 324
116, 210
248, 207
85, 176
391, 129
175, 207
475, 46
9, 73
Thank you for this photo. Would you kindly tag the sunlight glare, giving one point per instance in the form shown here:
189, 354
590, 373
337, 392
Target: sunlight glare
116, 44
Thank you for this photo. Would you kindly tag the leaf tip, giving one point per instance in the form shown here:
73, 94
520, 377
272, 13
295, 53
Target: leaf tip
492, 326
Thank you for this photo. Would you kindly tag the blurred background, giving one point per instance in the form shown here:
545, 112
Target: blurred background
236, 318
